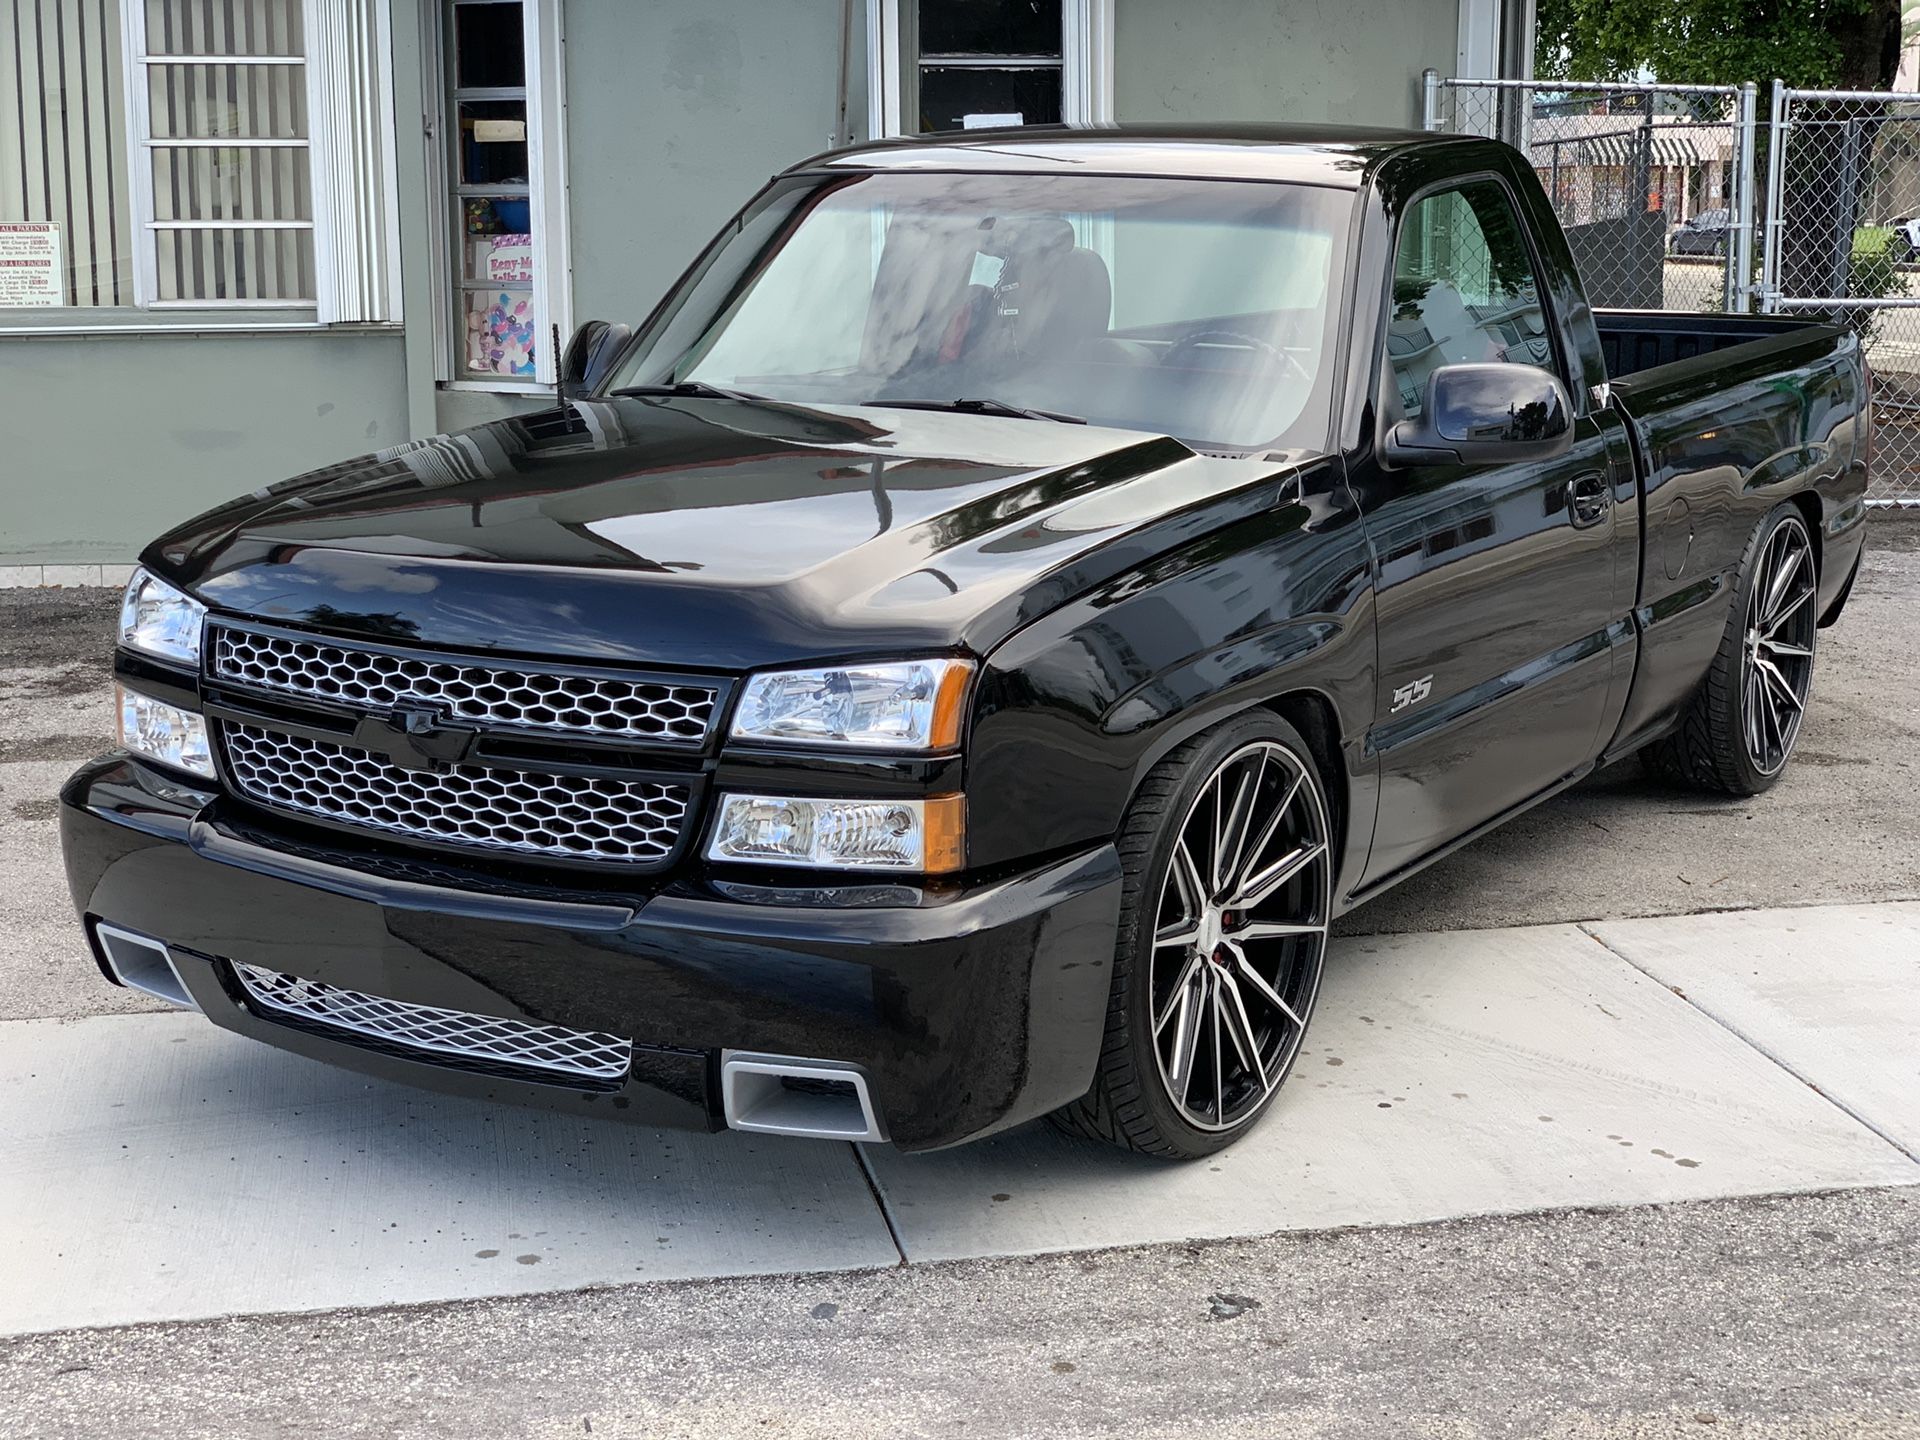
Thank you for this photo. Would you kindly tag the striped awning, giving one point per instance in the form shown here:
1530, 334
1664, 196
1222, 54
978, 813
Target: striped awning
1623, 148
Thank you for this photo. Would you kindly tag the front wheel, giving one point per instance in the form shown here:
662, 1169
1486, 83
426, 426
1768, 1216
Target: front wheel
1739, 730
1227, 852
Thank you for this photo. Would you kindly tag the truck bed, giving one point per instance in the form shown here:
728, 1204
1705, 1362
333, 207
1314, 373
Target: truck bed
1728, 415
1637, 340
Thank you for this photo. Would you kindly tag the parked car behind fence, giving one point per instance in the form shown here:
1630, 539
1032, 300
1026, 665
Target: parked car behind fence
1703, 234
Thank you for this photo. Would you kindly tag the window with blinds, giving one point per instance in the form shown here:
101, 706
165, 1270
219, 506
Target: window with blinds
65, 222
222, 152
197, 154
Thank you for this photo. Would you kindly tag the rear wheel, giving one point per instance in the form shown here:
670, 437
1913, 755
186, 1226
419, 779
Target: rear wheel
1740, 728
1222, 938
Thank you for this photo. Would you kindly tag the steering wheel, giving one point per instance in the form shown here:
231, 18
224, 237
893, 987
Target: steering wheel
1273, 354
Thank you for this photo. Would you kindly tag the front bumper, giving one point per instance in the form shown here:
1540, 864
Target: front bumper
967, 1008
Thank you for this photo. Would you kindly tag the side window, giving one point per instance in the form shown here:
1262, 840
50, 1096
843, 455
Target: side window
1463, 290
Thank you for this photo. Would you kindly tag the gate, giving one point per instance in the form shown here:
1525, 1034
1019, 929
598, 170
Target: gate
1654, 184
1843, 242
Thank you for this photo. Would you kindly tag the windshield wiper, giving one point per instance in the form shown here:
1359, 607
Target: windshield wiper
983, 407
696, 389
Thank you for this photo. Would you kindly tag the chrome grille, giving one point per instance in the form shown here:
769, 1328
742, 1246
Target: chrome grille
486, 807
484, 694
460, 1034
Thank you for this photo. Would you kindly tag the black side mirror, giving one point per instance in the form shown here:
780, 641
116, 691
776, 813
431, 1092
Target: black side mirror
590, 355
1485, 415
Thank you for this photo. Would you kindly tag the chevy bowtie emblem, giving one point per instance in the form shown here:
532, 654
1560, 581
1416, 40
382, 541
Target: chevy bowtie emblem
414, 739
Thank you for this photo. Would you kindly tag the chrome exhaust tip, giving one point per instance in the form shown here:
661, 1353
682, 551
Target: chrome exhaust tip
785, 1095
140, 962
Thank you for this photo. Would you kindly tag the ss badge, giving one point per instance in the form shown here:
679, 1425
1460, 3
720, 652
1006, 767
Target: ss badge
1412, 693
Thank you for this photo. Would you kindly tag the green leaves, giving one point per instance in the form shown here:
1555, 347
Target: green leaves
1812, 43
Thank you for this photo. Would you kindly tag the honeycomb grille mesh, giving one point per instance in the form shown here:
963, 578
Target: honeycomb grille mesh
491, 808
483, 694
586, 1054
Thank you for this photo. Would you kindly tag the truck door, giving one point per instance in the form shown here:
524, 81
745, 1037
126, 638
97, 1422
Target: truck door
1498, 609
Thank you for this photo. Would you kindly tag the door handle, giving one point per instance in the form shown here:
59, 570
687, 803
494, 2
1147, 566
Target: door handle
1588, 497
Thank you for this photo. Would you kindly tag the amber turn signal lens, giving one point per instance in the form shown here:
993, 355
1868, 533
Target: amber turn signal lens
950, 707
946, 834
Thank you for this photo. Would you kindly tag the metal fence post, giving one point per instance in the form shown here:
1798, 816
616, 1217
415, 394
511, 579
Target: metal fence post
1776, 186
1739, 290
1430, 99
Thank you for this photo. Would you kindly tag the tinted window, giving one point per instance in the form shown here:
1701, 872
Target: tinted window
990, 27
1463, 290
951, 98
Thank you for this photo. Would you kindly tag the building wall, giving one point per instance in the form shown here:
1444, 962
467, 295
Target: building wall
676, 113
111, 439
1353, 63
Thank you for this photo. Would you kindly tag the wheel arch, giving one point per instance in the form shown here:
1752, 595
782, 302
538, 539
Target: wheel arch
1312, 713
1807, 502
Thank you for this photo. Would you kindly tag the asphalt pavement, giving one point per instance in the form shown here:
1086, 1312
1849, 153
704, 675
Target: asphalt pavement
1736, 1320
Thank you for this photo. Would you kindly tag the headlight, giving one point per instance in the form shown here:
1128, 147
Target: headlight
911, 705
158, 620
162, 732
922, 836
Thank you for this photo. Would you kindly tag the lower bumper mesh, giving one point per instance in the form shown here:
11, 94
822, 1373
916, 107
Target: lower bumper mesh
449, 1035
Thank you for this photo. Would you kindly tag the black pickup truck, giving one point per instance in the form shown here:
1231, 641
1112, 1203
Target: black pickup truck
950, 664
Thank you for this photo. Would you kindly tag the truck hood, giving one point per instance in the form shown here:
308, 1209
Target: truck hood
710, 534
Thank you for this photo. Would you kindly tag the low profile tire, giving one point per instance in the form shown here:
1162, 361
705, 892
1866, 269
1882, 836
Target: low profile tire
1228, 891
1740, 727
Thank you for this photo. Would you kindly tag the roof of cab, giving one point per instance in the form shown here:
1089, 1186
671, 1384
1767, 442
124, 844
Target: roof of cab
1304, 154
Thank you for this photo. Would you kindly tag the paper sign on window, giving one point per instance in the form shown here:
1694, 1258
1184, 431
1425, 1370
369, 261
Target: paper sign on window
510, 260
30, 268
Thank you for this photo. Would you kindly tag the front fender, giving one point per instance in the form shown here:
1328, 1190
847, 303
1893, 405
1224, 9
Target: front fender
1078, 706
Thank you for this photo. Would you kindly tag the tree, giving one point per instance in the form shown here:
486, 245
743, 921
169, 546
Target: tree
1821, 44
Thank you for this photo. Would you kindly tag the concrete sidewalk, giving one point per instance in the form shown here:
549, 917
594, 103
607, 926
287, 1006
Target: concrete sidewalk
160, 1169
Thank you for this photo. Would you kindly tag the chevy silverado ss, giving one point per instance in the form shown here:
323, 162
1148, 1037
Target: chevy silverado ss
951, 662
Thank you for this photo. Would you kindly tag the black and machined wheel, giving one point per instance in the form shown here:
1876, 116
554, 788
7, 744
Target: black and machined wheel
1227, 850
1740, 727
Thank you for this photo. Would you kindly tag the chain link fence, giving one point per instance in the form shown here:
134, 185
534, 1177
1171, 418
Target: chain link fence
1843, 243
1656, 187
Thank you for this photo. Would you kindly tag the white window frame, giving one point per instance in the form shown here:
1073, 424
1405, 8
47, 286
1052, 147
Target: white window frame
1477, 55
545, 39
1086, 58
140, 147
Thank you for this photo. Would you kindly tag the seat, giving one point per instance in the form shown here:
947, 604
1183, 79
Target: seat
1052, 296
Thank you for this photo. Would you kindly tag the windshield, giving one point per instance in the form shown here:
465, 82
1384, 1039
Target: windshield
1203, 309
